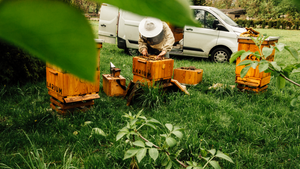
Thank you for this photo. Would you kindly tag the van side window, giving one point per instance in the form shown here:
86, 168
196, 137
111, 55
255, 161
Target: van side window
205, 18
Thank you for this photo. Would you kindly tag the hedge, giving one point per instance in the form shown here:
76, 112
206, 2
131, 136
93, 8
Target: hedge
272, 23
17, 66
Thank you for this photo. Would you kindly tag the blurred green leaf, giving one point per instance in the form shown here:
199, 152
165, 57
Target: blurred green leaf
279, 46
276, 67
178, 12
149, 144
280, 82
171, 141
245, 54
212, 151
296, 70
220, 154
130, 153
141, 154
52, 31
178, 134
153, 152
292, 51
152, 120
169, 126
120, 135
235, 55
169, 166
267, 51
254, 64
139, 143
215, 164
245, 71
245, 62
98, 131
150, 125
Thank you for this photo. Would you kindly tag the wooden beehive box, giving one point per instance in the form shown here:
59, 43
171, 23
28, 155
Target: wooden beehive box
114, 86
67, 88
253, 77
153, 69
188, 77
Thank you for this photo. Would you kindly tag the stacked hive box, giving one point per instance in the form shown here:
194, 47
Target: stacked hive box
188, 76
253, 80
69, 92
146, 70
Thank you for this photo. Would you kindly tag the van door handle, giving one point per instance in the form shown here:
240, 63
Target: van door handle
103, 25
189, 29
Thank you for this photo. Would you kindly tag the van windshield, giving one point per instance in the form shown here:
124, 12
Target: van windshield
225, 18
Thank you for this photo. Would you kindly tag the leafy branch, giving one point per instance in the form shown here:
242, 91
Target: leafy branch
140, 147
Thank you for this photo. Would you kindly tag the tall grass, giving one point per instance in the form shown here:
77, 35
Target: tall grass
256, 130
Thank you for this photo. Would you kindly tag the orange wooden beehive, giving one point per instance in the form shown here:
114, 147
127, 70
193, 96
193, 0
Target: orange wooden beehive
68, 91
114, 86
187, 76
155, 70
253, 80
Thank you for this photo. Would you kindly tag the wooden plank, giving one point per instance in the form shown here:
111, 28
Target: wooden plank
81, 98
181, 87
55, 95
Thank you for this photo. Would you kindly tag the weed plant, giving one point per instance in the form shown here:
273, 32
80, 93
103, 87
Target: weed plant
255, 130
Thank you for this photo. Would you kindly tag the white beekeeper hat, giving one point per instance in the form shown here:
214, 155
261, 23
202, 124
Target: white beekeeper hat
150, 27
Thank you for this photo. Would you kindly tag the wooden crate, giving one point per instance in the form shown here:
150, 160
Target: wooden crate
188, 77
253, 78
153, 69
114, 86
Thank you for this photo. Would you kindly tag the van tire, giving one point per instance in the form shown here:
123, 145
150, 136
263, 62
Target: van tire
220, 55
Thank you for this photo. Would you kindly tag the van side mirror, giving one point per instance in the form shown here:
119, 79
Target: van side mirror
216, 23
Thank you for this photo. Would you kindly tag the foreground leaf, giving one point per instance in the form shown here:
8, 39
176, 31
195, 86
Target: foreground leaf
139, 143
130, 153
52, 31
244, 55
178, 134
235, 55
220, 154
153, 152
177, 12
280, 82
245, 71
245, 62
215, 164
267, 51
141, 154
169, 126
263, 66
292, 51
120, 135
98, 131
171, 141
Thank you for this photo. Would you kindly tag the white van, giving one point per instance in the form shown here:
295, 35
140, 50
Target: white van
216, 39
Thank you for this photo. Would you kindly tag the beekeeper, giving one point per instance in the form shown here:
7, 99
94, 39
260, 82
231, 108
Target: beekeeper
156, 38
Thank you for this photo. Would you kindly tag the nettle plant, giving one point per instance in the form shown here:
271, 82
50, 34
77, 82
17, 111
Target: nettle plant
279, 71
169, 141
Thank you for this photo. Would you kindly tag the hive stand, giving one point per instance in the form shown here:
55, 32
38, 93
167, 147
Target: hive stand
69, 93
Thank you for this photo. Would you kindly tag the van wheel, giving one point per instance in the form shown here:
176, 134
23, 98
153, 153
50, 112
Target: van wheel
220, 55
132, 52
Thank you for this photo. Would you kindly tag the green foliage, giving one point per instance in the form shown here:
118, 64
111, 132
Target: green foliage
17, 66
139, 149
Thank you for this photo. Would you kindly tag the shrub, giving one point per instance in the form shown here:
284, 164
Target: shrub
17, 66
263, 24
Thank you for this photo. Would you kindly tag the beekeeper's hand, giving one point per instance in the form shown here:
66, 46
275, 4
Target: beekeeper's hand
144, 52
161, 55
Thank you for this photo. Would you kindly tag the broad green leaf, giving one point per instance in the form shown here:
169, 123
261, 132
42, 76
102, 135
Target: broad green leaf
139, 143
245, 71
220, 154
169, 126
169, 166
163, 135
256, 54
280, 82
165, 161
235, 55
189, 167
130, 153
177, 128
263, 66
177, 12
267, 51
276, 67
178, 134
254, 64
292, 51
120, 135
52, 31
150, 125
98, 131
171, 141
279, 46
133, 121
153, 152
215, 164
245, 62
142, 117
149, 144
139, 113
295, 102
189, 163
212, 151
206, 158
141, 154
244, 55
296, 70
152, 120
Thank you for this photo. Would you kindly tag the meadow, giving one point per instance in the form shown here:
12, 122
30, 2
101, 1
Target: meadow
255, 130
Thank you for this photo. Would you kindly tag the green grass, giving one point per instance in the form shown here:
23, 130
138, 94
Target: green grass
256, 130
